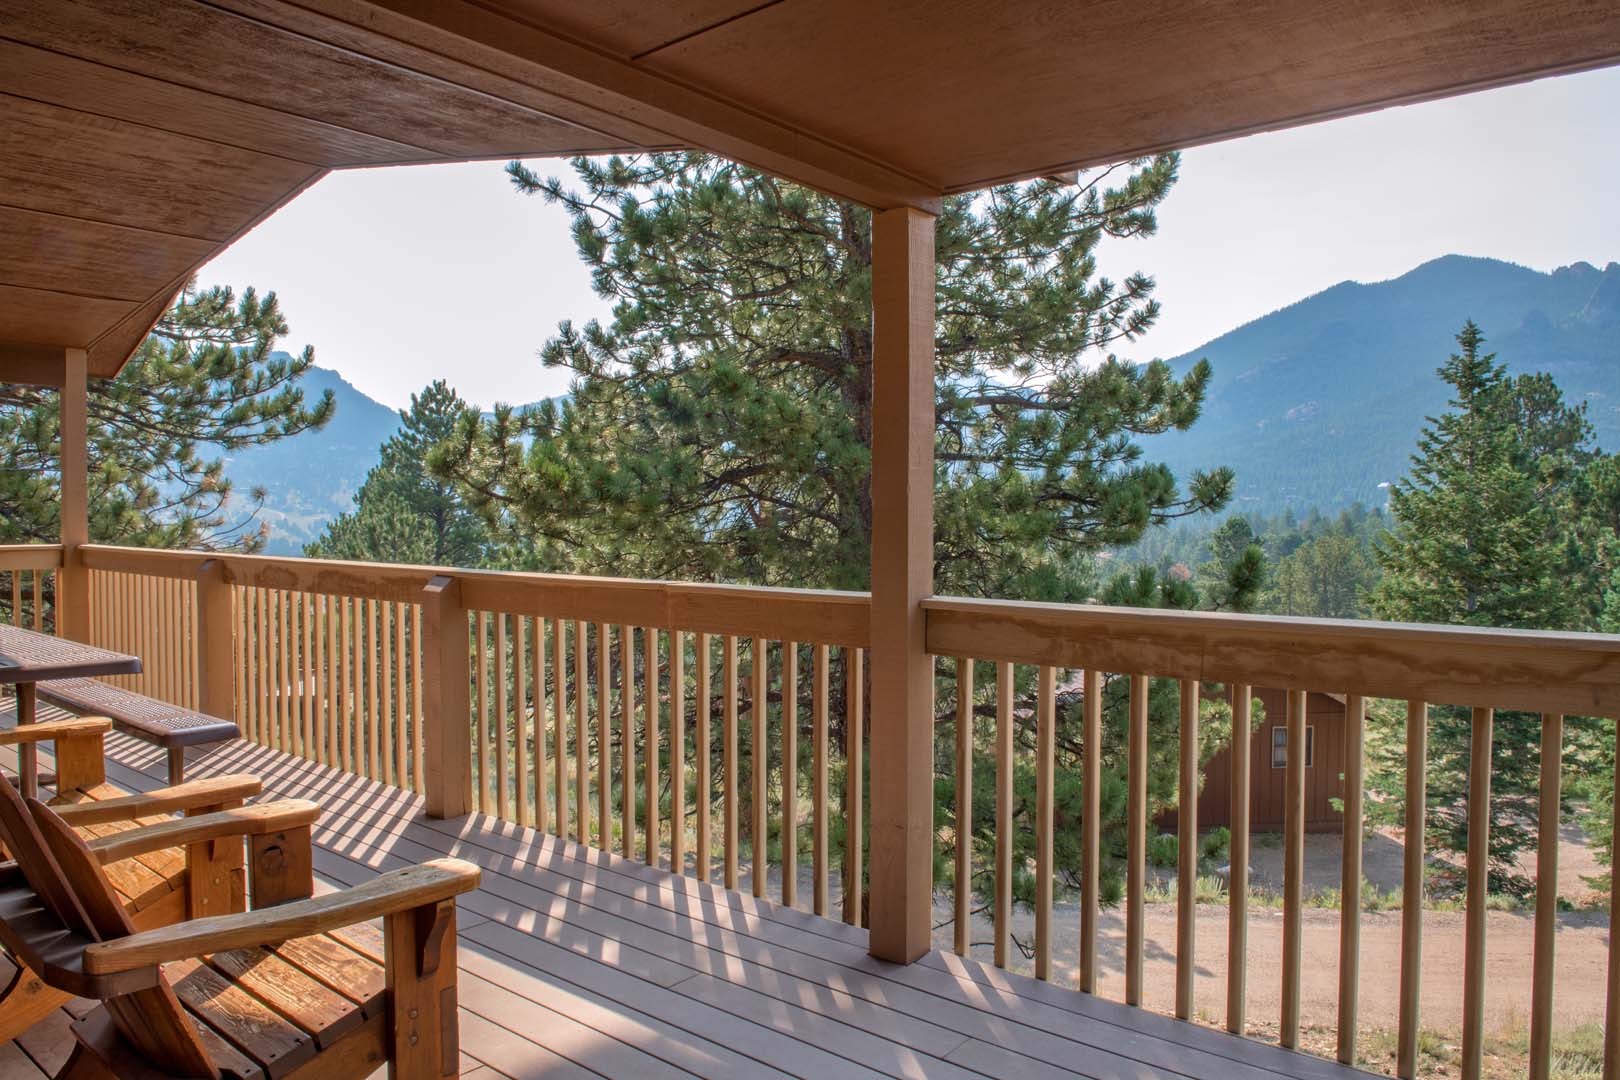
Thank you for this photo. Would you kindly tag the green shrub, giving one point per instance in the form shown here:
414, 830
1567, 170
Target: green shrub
1215, 844
1163, 850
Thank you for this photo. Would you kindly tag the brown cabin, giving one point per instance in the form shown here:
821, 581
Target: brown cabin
1268, 759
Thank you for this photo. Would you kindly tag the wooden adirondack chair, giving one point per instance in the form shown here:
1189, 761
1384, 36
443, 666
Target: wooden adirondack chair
293, 991
158, 885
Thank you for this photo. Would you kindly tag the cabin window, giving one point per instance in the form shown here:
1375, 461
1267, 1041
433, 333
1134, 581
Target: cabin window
1279, 746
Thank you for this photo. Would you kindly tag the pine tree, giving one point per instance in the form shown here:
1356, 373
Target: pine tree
402, 512
720, 426
1481, 539
203, 382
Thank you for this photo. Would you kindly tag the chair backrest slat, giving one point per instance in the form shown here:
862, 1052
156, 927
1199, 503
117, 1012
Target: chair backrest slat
151, 1021
39, 867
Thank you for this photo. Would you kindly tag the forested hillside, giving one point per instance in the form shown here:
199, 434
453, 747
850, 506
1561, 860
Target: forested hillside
1319, 403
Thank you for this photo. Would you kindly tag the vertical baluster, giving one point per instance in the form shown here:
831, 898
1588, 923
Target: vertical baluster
582, 782
374, 717
388, 707
345, 666
650, 733
17, 599
677, 751
559, 725
703, 744
759, 825
162, 652
502, 705
520, 695
538, 646
627, 732
39, 599
1293, 869
855, 784
329, 711
728, 758
1237, 891
1136, 844
1478, 869
604, 735
1004, 803
1045, 751
400, 729
964, 805
354, 730
818, 809
286, 635
419, 745
481, 681
239, 655
1611, 1011
247, 651
790, 773
1355, 716
1547, 821
309, 676
1187, 852
266, 673
1090, 829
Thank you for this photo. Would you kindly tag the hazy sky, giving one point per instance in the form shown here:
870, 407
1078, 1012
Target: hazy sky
399, 276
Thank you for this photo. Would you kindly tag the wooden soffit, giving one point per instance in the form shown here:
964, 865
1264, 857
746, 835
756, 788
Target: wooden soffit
140, 137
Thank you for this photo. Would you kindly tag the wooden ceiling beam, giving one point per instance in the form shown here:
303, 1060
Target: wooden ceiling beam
32, 365
603, 83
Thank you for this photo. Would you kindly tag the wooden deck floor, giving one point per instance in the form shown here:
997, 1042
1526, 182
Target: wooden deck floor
575, 962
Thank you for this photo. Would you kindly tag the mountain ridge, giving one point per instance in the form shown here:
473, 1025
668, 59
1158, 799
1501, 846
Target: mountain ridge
1317, 403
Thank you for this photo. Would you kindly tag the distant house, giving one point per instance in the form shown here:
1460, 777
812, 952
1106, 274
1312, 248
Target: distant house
1268, 759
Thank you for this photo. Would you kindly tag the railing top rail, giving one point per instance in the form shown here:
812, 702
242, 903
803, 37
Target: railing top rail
30, 556
1514, 669
829, 617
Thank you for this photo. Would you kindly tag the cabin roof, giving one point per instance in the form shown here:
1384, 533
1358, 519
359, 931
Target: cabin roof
142, 138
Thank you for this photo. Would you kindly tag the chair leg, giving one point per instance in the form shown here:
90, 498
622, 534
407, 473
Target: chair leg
424, 1028
25, 1002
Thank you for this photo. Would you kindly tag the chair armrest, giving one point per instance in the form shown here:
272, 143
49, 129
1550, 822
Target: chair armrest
55, 729
400, 890
255, 820
192, 795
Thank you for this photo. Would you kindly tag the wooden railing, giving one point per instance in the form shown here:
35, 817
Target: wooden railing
693, 725
28, 575
1485, 670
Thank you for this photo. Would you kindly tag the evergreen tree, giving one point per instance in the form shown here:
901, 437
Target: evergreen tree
720, 426
1481, 539
202, 382
402, 512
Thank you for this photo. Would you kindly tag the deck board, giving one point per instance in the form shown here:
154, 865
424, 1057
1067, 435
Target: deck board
576, 962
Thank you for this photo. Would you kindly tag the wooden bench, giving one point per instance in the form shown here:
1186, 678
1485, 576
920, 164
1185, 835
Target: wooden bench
148, 719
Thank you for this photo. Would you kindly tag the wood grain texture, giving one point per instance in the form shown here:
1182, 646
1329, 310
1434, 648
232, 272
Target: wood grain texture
1520, 669
903, 305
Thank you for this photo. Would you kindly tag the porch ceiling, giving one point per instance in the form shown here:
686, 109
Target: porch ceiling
138, 138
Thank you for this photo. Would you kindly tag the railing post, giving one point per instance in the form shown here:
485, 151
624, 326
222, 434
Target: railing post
445, 705
902, 578
216, 689
73, 584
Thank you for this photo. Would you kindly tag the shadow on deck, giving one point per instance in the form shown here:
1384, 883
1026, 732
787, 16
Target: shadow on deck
575, 962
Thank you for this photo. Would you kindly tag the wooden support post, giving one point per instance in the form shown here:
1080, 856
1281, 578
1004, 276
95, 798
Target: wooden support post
902, 577
73, 583
214, 652
445, 699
